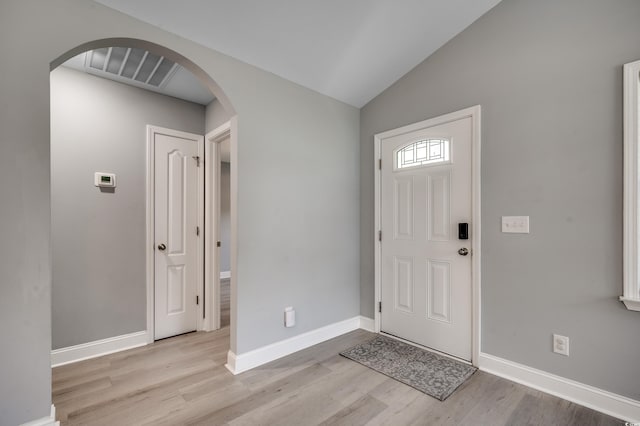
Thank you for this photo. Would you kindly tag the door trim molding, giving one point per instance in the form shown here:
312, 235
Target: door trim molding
474, 113
212, 225
150, 222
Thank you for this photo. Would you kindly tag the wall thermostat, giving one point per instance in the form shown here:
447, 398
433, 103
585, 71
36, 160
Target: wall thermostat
107, 180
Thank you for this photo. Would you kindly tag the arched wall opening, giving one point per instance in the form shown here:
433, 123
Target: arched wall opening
312, 268
176, 57
205, 79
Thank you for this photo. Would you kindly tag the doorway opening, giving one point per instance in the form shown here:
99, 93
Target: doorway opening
427, 215
218, 201
100, 222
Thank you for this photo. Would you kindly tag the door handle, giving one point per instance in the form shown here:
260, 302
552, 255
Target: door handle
162, 247
463, 251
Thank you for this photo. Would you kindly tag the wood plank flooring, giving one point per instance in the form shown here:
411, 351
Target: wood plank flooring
183, 381
225, 301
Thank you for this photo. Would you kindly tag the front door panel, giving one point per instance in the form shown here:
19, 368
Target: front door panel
426, 192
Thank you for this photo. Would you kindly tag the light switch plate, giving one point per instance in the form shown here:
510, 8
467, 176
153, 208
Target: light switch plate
515, 224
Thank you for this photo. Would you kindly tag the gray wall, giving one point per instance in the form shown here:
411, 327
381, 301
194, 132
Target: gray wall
225, 217
98, 238
548, 75
215, 115
289, 138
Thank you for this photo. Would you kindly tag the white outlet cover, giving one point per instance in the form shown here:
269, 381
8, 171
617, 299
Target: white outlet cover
561, 344
289, 317
515, 224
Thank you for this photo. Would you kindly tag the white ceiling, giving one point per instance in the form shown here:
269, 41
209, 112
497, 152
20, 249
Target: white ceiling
350, 50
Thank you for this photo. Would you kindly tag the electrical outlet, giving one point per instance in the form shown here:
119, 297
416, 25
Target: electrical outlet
289, 317
561, 344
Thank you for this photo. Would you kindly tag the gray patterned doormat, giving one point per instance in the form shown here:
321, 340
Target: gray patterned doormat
433, 374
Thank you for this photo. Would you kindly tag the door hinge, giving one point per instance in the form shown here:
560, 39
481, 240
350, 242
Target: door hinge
197, 158
218, 244
197, 300
379, 235
197, 231
380, 164
379, 306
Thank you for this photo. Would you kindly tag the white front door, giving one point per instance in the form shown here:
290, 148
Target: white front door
176, 193
426, 290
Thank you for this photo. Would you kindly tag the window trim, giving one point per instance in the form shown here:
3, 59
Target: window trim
631, 96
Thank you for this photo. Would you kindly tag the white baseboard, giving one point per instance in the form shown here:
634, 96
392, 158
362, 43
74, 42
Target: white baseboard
606, 402
225, 274
45, 421
243, 362
231, 362
367, 324
98, 348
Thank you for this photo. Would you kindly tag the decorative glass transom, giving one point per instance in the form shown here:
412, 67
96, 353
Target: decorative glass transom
422, 153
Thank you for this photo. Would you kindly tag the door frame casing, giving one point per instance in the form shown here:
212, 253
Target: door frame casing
212, 224
474, 113
150, 231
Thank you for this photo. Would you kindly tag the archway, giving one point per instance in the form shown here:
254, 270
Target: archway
176, 57
206, 80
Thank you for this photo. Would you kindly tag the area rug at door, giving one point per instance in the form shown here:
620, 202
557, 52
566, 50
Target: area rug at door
428, 372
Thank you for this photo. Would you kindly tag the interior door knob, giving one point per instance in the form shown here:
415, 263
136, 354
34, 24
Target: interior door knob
463, 251
162, 247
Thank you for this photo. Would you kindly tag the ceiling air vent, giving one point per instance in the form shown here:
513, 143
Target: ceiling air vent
131, 65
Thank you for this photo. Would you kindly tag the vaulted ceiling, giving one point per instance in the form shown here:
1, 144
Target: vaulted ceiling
350, 50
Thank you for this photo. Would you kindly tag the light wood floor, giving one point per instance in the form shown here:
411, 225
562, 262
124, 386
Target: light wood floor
183, 380
225, 301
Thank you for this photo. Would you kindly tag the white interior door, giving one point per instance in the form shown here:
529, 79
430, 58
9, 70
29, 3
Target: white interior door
426, 289
176, 193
